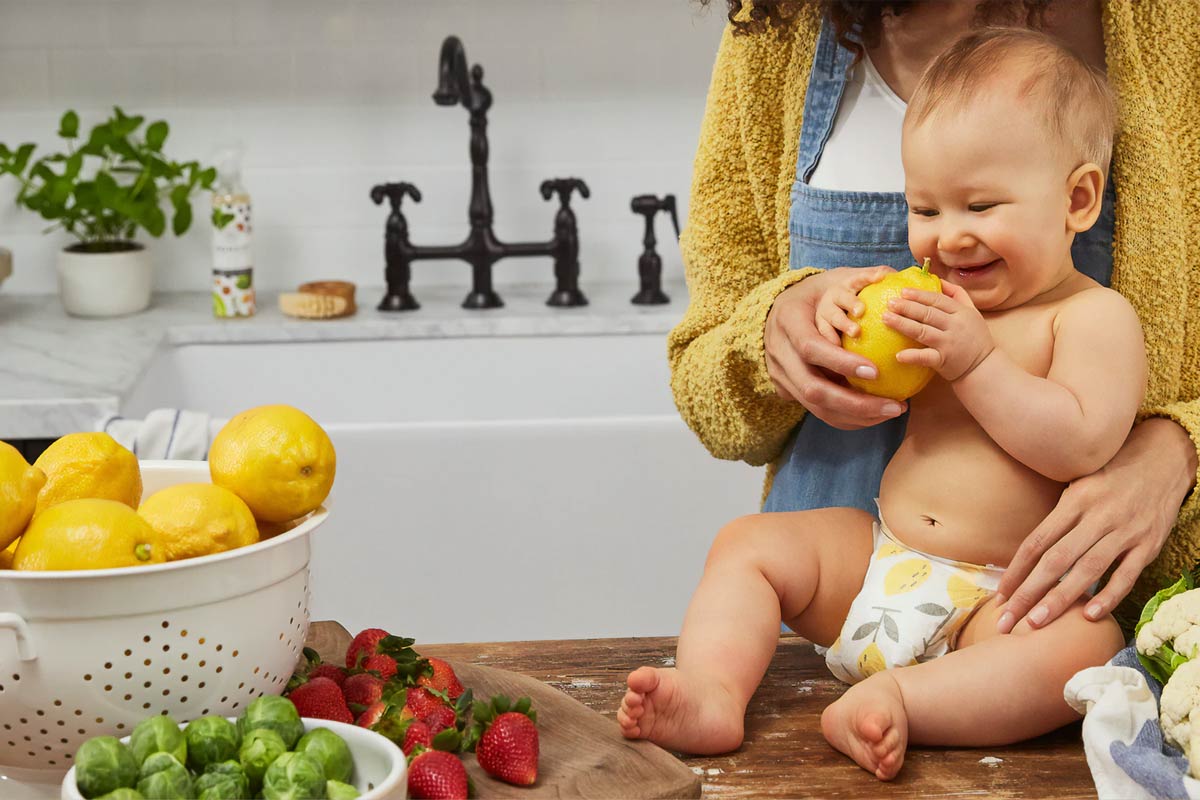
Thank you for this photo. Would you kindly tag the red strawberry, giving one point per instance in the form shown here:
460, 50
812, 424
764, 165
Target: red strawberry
364, 643
433, 774
385, 665
508, 746
321, 698
423, 702
418, 733
384, 718
440, 718
362, 689
442, 678
331, 671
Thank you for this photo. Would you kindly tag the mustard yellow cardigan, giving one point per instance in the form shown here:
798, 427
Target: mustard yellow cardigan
735, 246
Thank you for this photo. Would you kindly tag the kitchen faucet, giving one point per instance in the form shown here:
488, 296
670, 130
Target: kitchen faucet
481, 249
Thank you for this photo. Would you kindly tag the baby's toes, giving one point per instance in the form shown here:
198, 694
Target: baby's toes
634, 704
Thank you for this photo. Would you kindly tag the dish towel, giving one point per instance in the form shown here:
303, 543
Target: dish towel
164, 433
1121, 736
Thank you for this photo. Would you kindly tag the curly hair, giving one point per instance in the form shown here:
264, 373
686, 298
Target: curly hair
867, 15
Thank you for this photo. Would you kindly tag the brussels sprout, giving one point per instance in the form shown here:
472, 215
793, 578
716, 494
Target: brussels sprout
122, 794
159, 734
259, 749
274, 713
336, 790
229, 767
215, 786
331, 750
164, 778
103, 764
209, 740
294, 776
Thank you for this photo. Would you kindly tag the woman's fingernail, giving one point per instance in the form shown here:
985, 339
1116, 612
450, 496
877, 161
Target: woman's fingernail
1094, 611
866, 373
1005, 622
1038, 615
892, 409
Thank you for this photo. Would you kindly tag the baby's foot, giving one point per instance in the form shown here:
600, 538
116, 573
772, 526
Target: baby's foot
680, 711
869, 724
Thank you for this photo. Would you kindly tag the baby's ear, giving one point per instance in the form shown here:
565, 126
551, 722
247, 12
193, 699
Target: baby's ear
1085, 188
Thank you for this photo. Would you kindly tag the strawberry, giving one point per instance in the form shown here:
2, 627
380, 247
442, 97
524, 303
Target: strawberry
507, 743
387, 719
418, 733
331, 671
385, 665
441, 677
440, 718
362, 689
434, 774
422, 702
376, 641
364, 643
321, 698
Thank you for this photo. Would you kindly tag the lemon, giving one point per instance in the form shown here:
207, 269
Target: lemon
196, 519
87, 534
879, 343
19, 486
906, 576
277, 459
871, 661
88, 465
6, 556
964, 593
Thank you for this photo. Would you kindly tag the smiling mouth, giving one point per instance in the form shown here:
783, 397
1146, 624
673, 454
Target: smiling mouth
974, 271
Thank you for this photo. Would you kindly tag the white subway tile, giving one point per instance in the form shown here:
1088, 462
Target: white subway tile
24, 79
171, 22
56, 24
313, 22
99, 79
234, 77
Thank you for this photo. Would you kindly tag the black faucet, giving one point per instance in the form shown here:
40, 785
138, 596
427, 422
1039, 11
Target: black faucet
481, 249
650, 264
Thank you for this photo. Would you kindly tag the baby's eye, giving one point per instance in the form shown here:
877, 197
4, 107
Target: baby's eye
980, 206
924, 212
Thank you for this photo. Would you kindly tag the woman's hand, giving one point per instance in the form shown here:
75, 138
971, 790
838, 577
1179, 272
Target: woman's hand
803, 363
1122, 513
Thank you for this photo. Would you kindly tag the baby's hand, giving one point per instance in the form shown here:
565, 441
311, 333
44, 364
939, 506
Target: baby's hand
839, 306
954, 333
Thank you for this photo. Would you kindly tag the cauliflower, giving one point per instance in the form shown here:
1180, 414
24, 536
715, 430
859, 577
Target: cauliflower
1168, 633
1179, 697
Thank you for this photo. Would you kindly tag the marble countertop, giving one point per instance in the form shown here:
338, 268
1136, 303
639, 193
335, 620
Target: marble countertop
60, 374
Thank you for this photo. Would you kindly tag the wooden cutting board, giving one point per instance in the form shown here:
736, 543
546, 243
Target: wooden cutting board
582, 754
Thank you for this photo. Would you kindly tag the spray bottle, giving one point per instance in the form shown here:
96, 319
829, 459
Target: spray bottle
232, 253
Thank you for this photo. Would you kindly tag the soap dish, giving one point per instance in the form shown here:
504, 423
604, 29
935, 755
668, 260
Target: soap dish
319, 300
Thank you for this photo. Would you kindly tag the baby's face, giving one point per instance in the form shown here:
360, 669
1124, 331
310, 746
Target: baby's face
988, 202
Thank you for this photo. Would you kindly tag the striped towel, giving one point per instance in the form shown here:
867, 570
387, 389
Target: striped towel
1121, 736
165, 433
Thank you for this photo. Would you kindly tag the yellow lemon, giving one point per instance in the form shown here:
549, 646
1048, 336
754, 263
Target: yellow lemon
277, 459
88, 465
906, 576
871, 661
87, 534
879, 343
19, 487
6, 556
963, 593
888, 550
196, 519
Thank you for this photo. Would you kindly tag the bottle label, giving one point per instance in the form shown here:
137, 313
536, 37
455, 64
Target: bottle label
231, 244
233, 293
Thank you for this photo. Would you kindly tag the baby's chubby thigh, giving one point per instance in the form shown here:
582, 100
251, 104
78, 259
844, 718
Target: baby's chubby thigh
814, 560
1080, 641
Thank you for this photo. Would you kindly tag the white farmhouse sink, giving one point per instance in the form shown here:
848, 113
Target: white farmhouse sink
554, 468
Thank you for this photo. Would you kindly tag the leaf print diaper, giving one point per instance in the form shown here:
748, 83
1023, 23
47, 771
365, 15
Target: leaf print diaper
910, 609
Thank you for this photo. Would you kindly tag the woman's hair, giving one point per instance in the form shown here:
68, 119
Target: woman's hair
866, 15
1074, 99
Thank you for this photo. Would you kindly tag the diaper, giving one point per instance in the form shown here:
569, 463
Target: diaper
910, 609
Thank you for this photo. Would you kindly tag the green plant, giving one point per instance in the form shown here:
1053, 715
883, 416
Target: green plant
105, 188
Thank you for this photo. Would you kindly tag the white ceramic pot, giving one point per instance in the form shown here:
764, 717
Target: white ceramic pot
105, 284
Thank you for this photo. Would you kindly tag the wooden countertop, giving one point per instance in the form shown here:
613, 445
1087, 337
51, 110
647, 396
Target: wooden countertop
784, 754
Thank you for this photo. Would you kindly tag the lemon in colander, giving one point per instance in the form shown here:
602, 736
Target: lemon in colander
19, 487
87, 534
88, 465
196, 519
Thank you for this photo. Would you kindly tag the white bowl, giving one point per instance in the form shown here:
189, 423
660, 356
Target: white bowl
86, 653
380, 769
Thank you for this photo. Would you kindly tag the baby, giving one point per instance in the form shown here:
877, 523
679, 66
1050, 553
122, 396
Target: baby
1040, 372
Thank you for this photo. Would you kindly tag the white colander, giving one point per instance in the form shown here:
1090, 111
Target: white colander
91, 652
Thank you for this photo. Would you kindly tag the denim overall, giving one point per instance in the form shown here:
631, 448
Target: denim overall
821, 465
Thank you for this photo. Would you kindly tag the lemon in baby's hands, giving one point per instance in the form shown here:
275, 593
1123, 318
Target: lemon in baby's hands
198, 519
879, 343
87, 534
277, 459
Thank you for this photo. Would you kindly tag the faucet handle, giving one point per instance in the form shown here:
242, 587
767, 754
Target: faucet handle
395, 192
564, 187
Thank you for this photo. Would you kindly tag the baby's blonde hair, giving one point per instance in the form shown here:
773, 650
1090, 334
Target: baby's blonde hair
1079, 107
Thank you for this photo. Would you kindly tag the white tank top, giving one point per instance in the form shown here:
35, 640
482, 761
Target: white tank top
863, 150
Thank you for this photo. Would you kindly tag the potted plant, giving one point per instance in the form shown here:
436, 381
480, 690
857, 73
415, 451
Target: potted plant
102, 190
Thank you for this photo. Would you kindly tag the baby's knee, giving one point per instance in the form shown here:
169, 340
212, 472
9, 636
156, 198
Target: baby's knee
1085, 642
740, 539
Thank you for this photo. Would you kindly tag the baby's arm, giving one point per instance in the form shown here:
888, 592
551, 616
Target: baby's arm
1074, 420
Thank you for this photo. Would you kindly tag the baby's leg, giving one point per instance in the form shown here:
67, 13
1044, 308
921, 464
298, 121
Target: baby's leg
994, 689
761, 569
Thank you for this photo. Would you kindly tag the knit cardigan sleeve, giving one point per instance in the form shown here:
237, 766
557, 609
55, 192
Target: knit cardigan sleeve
1187, 414
718, 367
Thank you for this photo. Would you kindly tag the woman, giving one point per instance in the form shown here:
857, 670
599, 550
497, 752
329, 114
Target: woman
798, 171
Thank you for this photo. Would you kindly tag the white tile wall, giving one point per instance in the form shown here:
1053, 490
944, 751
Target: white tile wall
332, 96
